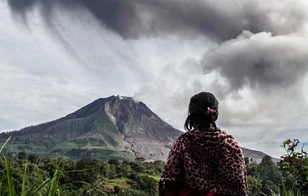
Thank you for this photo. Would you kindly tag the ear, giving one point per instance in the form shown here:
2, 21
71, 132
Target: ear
215, 117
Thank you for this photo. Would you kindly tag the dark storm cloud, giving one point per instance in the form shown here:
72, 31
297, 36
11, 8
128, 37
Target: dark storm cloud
259, 61
219, 20
21, 6
254, 59
116, 14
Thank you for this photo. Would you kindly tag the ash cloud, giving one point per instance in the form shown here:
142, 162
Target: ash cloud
259, 61
218, 20
260, 45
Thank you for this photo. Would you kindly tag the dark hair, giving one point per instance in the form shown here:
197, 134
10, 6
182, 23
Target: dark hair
199, 115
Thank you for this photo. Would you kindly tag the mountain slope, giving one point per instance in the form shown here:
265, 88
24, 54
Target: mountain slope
113, 127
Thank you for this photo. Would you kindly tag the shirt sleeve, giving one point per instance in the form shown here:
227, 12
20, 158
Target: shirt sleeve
232, 169
173, 169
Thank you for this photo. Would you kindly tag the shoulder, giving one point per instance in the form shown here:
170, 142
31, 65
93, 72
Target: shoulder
186, 139
222, 134
216, 135
229, 143
182, 139
225, 141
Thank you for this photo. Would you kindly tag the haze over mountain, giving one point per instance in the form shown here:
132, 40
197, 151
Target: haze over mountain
114, 127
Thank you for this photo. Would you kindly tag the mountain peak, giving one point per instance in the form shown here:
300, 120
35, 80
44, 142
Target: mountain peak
113, 127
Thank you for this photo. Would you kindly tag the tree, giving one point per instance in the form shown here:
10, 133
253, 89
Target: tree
116, 189
89, 169
114, 162
148, 184
295, 163
270, 176
105, 169
34, 158
22, 155
255, 186
253, 169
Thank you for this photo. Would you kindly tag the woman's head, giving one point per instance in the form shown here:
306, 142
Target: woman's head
202, 111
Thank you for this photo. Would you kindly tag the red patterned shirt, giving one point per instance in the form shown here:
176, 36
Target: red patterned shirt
207, 160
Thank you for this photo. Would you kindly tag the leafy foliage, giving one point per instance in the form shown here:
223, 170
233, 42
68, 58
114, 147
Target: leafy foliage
30, 174
263, 178
51, 177
295, 166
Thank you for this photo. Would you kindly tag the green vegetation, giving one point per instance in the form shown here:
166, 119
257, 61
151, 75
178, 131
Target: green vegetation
81, 135
30, 175
295, 167
263, 178
289, 177
44, 176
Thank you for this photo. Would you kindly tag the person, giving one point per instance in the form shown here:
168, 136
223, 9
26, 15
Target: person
205, 160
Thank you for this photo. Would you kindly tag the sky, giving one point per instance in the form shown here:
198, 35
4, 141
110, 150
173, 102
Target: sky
58, 56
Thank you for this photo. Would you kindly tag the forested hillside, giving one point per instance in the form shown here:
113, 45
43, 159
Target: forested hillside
114, 177
29, 174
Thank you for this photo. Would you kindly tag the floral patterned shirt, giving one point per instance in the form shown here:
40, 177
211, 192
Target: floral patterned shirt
207, 160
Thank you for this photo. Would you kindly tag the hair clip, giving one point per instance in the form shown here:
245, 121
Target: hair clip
210, 110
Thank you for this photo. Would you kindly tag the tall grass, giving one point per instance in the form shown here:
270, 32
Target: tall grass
9, 177
42, 187
8, 172
51, 183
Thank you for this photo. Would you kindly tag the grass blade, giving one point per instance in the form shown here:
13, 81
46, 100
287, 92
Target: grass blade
24, 178
4, 144
0, 188
53, 184
9, 177
30, 193
286, 193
